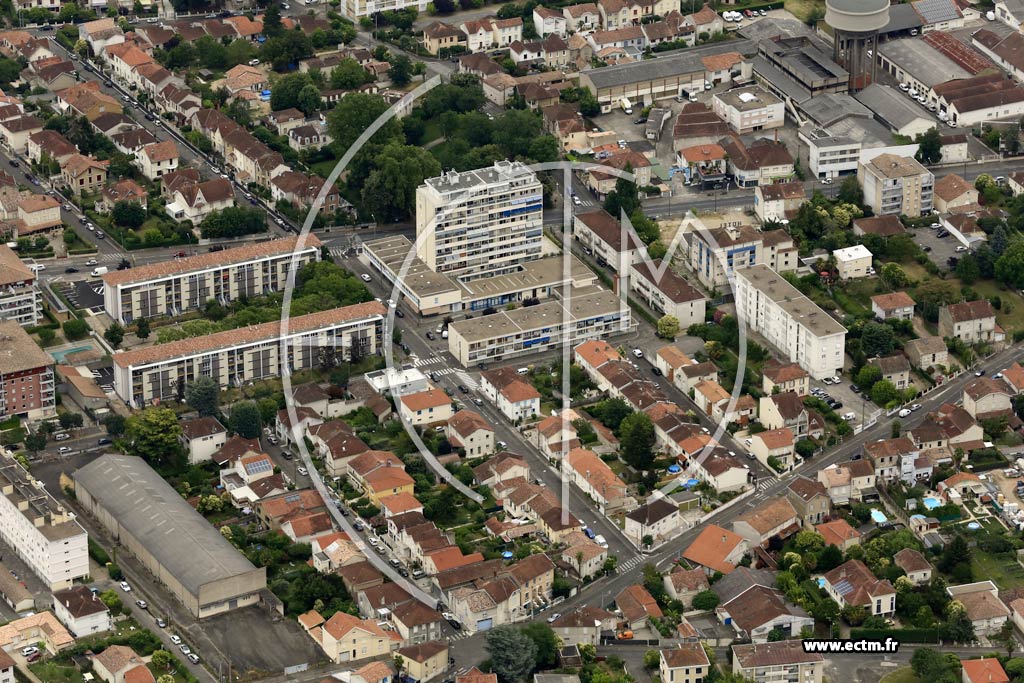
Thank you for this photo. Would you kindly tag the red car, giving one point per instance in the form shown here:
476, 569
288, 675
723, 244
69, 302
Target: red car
181, 254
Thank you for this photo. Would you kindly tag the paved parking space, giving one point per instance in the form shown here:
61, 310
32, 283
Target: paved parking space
83, 294
852, 402
942, 248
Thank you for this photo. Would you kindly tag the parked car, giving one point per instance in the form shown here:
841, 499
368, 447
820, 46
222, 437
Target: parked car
365, 278
142, 604
302, 470
905, 412
125, 587
193, 657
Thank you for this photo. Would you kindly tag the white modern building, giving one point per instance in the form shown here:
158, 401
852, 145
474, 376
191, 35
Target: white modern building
20, 299
750, 109
535, 329
480, 223
853, 262
775, 662
789, 321
171, 287
41, 531
235, 357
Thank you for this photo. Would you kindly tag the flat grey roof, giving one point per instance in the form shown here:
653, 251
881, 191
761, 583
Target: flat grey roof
419, 278
789, 298
544, 272
503, 323
463, 180
668, 65
826, 109
922, 61
146, 506
901, 18
857, 6
779, 81
890, 105
748, 98
770, 28
868, 132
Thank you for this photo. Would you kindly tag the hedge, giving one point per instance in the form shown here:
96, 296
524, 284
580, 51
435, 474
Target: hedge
903, 635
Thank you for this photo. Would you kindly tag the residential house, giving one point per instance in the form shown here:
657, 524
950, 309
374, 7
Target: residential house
345, 638
782, 660
779, 377
787, 410
81, 611
425, 407
890, 455
853, 584
47, 146
157, 159
685, 663
84, 174
778, 201
810, 498
583, 625
513, 395
918, 569
839, 533
684, 584
982, 606
897, 305
754, 607
927, 352
120, 664
1014, 378
772, 518
502, 467
126, 190
986, 397
637, 606
417, 623
202, 438
894, 368
971, 322
438, 36
471, 433
775, 448
16, 132
595, 478
716, 550
193, 201
953, 192
582, 17
658, 519
720, 470
425, 661
762, 162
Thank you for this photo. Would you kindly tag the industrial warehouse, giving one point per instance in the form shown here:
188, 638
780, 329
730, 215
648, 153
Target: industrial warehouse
148, 517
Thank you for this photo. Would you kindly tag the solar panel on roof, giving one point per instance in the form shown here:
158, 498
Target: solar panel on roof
843, 587
936, 10
259, 466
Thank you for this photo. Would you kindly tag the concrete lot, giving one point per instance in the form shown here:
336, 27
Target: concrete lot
941, 247
254, 641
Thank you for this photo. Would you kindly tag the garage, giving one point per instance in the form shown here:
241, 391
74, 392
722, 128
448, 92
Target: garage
484, 624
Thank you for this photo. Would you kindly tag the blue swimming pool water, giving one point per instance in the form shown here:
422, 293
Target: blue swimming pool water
821, 582
674, 469
932, 503
60, 355
690, 483
877, 517
973, 526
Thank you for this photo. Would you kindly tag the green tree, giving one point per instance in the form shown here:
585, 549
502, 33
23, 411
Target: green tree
668, 327
877, 339
401, 70
128, 215
165, 678
76, 328
286, 90
233, 221
70, 420
850, 191
637, 439
967, 269
114, 334
805, 448
35, 442
161, 659
142, 328
929, 146
390, 190
868, 375
115, 424
112, 601
1010, 266
625, 198
705, 600
354, 114
652, 659
546, 643
309, 100
512, 653
153, 435
203, 395
893, 276
884, 392
245, 419
348, 75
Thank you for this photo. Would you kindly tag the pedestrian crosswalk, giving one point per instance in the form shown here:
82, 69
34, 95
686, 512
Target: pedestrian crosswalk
461, 376
634, 561
765, 484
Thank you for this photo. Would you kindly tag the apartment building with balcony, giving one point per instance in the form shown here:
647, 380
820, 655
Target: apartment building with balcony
783, 661
43, 534
895, 185
714, 254
801, 331
534, 329
235, 357
480, 223
178, 285
26, 375
20, 299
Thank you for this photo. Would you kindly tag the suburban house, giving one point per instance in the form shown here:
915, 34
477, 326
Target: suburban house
775, 444
852, 583
895, 369
775, 517
514, 396
345, 638
971, 322
716, 550
810, 498
470, 432
658, 519
897, 305
982, 606
779, 377
81, 611
918, 569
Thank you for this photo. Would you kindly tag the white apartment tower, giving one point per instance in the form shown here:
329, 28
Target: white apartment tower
789, 321
41, 531
480, 223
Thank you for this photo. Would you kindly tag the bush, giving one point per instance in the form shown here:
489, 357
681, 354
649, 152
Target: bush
97, 553
115, 572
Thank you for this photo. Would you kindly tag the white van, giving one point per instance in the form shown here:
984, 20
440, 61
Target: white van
523, 371
850, 417
96, 272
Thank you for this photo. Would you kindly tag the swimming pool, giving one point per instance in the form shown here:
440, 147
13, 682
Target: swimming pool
931, 502
60, 355
877, 517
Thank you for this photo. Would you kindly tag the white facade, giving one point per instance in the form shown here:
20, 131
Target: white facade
480, 223
172, 287
39, 529
20, 298
789, 321
852, 262
750, 109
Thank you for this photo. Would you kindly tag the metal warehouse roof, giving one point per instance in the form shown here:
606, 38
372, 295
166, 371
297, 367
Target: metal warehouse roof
146, 506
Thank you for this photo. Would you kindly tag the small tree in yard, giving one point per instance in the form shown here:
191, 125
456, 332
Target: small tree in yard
805, 448
142, 328
705, 600
668, 327
75, 328
114, 335
35, 442
202, 394
161, 659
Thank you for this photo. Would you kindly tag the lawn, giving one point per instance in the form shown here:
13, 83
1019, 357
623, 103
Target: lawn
904, 675
1004, 571
51, 672
802, 9
1014, 320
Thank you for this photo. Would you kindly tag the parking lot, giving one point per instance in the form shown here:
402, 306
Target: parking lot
939, 249
83, 294
852, 402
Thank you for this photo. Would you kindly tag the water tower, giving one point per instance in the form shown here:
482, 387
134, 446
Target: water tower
855, 26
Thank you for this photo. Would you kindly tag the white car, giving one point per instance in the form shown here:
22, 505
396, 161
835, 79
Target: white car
29, 651
392, 304
905, 412
175, 639
254, 62
365, 278
92, 262
638, 353
916, 406
125, 587
64, 449
961, 248
302, 470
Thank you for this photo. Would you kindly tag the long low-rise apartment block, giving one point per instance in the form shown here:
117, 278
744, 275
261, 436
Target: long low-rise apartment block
235, 357
430, 293
789, 321
532, 329
20, 299
43, 533
178, 285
